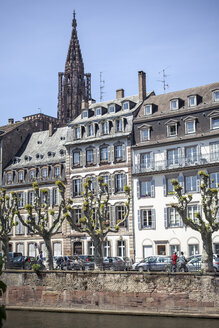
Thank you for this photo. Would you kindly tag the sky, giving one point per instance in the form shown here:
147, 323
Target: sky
117, 37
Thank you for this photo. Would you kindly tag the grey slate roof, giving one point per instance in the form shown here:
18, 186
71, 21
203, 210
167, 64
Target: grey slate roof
162, 102
42, 149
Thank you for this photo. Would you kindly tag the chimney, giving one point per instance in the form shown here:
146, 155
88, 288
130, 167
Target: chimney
120, 93
84, 105
50, 129
142, 85
10, 121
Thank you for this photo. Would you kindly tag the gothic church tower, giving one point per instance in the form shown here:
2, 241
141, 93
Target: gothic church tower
74, 84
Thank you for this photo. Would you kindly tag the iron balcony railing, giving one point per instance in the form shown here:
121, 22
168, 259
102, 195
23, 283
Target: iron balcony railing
173, 163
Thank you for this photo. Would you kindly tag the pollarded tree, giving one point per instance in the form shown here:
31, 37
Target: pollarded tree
96, 221
43, 220
7, 215
205, 222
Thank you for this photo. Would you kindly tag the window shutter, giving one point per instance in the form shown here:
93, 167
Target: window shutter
152, 160
179, 156
112, 153
198, 182
139, 220
165, 158
152, 188
199, 209
80, 158
164, 186
113, 216
83, 156
181, 224
123, 152
109, 155
97, 155
138, 189
113, 183
25, 195
198, 152
181, 183
49, 197
183, 155
125, 180
165, 218
153, 218
109, 184
83, 180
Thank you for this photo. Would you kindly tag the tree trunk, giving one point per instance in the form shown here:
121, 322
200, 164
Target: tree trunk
5, 251
49, 258
98, 253
207, 253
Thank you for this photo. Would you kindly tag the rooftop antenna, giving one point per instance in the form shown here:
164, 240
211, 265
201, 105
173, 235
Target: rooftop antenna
164, 76
102, 83
39, 110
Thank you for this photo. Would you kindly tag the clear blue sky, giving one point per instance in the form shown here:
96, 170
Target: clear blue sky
117, 37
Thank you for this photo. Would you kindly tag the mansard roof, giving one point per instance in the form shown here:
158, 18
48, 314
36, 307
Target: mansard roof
41, 149
162, 102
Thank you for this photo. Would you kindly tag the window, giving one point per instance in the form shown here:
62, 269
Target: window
84, 114
106, 249
191, 212
90, 130
112, 109
55, 197
173, 249
215, 123
89, 156
145, 188
145, 160
214, 178
190, 127
118, 153
77, 133
106, 180
76, 158
193, 249
119, 125
91, 248
174, 219
120, 213
105, 128
31, 249
145, 134
20, 176
121, 249
57, 171
216, 248
170, 188
20, 248
191, 183
76, 187
9, 178
44, 173
192, 101
172, 130
174, 104
98, 111
216, 95
146, 218
77, 216
119, 179
20, 196
214, 151
32, 175
125, 105
173, 157
147, 110
31, 197
19, 229
191, 155
57, 248
103, 154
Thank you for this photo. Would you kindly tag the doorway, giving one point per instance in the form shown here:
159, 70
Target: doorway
77, 248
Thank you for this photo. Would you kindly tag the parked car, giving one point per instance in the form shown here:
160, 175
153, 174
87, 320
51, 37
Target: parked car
128, 263
87, 262
68, 263
195, 263
154, 263
14, 254
22, 262
114, 264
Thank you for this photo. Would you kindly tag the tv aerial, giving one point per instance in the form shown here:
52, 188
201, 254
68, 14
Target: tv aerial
163, 81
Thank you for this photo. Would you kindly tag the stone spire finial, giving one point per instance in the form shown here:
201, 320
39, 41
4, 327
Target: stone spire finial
74, 22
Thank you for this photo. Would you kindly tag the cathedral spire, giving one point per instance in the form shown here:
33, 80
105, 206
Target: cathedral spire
74, 84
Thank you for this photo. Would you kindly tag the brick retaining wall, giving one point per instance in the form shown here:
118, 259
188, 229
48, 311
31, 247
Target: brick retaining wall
132, 292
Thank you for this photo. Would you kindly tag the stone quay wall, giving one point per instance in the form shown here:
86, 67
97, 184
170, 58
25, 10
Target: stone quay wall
123, 292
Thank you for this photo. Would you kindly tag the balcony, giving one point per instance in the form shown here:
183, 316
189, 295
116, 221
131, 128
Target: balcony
177, 163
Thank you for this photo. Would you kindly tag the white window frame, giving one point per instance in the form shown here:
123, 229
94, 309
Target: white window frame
90, 130
169, 133
192, 101
143, 133
105, 127
174, 219
189, 181
84, 114
146, 220
187, 131
147, 110
125, 105
76, 187
119, 125
216, 96
98, 111
111, 109
73, 158
90, 156
212, 124
146, 187
118, 152
104, 151
174, 104
77, 132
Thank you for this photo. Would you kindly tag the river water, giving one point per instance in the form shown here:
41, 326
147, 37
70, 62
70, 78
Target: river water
25, 319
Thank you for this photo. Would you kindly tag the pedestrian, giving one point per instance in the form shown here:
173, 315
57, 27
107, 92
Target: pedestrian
175, 257
40, 258
182, 263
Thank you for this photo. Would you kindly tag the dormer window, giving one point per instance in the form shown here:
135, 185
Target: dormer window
215, 123
77, 133
57, 171
112, 109
9, 178
147, 110
20, 176
32, 174
90, 130
216, 95
119, 125
174, 104
84, 114
172, 130
192, 101
145, 134
98, 111
105, 128
44, 173
125, 105
190, 127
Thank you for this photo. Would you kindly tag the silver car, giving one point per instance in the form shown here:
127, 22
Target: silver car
154, 263
195, 264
